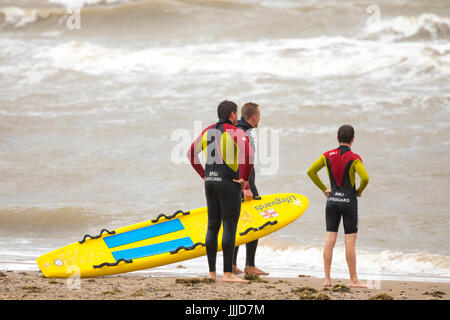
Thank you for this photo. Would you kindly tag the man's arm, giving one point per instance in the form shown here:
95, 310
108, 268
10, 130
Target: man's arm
312, 172
245, 157
192, 154
250, 190
361, 171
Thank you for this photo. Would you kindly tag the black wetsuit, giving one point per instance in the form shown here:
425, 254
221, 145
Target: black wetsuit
223, 196
251, 246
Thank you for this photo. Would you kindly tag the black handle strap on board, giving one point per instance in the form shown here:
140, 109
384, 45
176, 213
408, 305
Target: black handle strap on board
162, 215
96, 237
112, 264
268, 223
187, 248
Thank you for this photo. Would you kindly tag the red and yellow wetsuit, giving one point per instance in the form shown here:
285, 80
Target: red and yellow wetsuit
342, 164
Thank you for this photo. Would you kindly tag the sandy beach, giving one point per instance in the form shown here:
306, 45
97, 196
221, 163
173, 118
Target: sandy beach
18, 285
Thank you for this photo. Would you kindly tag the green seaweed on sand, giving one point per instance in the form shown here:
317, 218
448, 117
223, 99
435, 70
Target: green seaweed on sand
322, 296
436, 294
307, 293
304, 290
254, 278
341, 288
381, 296
194, 281
138, 293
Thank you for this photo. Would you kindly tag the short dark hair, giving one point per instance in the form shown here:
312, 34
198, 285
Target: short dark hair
346, 133
249, 109
225, 109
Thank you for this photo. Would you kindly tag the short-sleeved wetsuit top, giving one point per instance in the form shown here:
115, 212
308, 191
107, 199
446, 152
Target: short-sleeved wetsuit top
342, 164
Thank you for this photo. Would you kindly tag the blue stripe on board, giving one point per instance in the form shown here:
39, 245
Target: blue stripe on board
143, 233
153, 249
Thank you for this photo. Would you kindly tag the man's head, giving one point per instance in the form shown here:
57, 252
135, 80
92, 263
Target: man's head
346, 134
250, 112
228, 110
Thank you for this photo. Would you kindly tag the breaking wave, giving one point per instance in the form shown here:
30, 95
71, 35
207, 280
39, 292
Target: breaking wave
284, 58
19, 17
408, 28
379, 264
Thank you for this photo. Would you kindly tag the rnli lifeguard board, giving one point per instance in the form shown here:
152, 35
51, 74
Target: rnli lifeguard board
166, 239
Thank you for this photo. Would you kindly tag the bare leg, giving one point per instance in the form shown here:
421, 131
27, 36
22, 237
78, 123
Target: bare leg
350, 255
328, 256
250, 267
236, 270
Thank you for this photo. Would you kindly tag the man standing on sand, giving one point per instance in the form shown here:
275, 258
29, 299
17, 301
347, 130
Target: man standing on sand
342, 164
228, 165
250, 120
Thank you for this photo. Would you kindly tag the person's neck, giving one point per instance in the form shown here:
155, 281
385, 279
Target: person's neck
345, 144
230, 120
250, 122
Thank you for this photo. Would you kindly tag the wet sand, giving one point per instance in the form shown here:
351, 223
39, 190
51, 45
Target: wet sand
17, 285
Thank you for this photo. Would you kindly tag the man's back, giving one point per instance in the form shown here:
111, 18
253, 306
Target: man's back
226, 150
342, 164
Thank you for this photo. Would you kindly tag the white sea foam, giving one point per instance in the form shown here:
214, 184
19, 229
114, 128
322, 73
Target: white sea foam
423, 27
82, 3
317, 57
383, 264
18, 17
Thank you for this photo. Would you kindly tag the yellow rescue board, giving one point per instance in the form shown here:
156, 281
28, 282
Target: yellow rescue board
166, 239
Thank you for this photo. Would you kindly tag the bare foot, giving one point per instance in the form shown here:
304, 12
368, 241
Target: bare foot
358, 284
237, 271
254, 271
327, 283
212, 275
230, 277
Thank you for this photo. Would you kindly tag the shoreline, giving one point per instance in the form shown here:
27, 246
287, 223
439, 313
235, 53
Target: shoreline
32, 285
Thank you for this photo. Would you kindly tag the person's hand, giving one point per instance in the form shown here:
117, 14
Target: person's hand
327, 193
242, 182
359, 195
248, 194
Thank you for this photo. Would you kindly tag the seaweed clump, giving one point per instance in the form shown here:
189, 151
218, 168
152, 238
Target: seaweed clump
381, 296
254, 278
194, 281
435, 294
307, 293
341, 288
